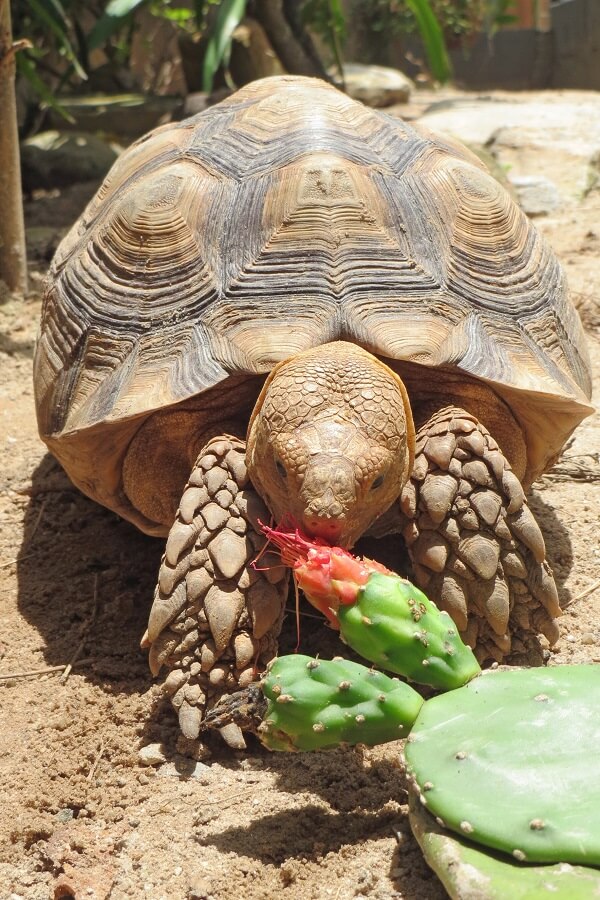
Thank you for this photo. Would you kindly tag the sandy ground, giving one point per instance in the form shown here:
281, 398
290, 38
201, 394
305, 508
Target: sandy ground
82, 816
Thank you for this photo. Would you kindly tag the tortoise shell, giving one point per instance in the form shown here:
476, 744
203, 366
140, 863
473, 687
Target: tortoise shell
285, 217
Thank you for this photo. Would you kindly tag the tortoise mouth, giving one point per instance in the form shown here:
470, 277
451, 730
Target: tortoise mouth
330, 530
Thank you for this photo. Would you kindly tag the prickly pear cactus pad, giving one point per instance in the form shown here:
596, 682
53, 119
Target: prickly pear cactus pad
383, 617
512, 761
469, 872
394, 625
314, 704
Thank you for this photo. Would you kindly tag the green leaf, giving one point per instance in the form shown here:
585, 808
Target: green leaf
121, 8
229, 16
338, 32
433, 39
180, 14
338, 19
27, 69
112, 19
57, 24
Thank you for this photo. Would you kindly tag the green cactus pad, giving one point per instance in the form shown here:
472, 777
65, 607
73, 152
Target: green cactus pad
469, 872
512, 761
315, 704
394, 625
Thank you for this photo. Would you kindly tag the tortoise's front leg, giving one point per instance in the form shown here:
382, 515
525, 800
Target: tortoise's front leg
215, 618
476, 548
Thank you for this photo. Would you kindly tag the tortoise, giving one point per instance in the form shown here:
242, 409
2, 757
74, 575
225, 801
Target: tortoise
293, 306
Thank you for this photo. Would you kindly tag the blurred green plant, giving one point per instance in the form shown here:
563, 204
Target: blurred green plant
327, 19
62, 44
433, 39
65, 33
459, 20
218, 50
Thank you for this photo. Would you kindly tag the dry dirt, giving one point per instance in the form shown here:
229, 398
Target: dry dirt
81, 816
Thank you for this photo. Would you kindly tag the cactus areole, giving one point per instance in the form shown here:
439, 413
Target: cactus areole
380, 615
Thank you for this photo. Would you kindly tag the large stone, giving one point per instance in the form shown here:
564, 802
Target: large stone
536, 195
376, 85
53, 159
151, 755
252, 54
555, 133
126, 115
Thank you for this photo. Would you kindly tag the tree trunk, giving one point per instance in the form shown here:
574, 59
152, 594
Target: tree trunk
13, 258
289, 38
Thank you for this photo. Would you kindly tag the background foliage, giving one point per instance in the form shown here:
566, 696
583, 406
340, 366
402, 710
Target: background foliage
68, 36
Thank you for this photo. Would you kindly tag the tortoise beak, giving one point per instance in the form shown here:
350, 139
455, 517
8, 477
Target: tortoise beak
330, 530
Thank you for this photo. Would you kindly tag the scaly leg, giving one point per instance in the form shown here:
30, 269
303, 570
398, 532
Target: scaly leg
475, 545
215, 618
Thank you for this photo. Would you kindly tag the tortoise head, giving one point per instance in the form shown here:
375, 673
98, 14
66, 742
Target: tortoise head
331, 441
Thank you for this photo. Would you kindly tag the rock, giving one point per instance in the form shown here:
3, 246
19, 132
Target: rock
125, 115
151, 755
184, 768
376, 85
555, 134
55, 158
536, 195
195, 102
64, 815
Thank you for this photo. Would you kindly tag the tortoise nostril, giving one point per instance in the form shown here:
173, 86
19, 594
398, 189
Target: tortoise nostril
330, 529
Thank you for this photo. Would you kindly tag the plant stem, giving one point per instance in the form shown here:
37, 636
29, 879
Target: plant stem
13, 257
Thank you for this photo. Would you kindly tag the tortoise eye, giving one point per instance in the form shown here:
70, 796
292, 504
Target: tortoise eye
378, 482
281, 468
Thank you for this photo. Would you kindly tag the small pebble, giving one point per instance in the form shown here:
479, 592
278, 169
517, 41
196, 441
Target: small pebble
199, 889
571, 639
398, 872
588, 638
64, 815
151, 755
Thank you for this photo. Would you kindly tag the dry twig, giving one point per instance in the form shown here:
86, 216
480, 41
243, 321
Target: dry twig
96, 762
574, 467
84, 635
225, 802
38, 520
307, 615
17, 559
586, 593
48, 671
